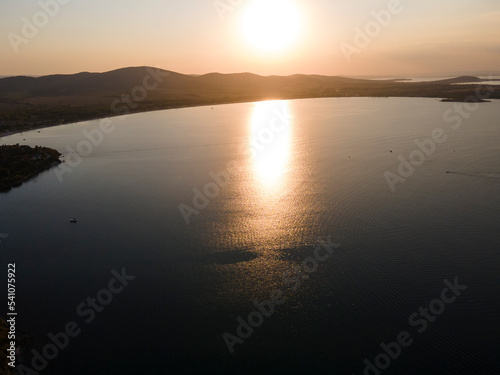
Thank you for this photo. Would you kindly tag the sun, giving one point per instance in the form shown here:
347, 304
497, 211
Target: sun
271, 25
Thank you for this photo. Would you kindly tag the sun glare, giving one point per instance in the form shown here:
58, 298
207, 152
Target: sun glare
270, 133
271, 25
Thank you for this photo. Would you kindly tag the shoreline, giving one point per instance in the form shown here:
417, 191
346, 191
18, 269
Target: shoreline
112, 115
21, 163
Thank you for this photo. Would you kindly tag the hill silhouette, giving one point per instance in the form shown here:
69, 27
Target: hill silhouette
31, 102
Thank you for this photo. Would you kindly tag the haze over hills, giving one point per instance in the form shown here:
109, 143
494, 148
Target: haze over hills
29, 102
436, 75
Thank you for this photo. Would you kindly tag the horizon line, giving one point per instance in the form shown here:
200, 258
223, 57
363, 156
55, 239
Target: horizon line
399, 76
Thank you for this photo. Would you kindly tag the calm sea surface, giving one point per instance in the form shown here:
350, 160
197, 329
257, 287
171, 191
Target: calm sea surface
268, 180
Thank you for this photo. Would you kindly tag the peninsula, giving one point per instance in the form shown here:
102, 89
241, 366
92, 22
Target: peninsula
19, 164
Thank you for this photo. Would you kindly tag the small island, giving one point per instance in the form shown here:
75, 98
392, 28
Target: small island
19, 164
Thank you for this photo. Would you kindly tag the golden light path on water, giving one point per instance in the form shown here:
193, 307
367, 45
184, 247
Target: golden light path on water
266, 220
275, 199
270, 130
269, 223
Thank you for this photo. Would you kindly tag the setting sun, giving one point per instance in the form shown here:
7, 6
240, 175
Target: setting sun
271, 24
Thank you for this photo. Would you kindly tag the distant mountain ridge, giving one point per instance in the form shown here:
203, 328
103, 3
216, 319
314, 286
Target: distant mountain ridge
116, 81
127, 78
27, 102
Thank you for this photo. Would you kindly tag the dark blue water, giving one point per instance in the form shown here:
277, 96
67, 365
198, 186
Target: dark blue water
286, 175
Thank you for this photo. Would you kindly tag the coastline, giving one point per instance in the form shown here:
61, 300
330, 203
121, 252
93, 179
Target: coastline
218, 103
113, 115
19, 164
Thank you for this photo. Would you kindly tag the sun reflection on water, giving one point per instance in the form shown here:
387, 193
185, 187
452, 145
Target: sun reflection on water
270, 128
266, 200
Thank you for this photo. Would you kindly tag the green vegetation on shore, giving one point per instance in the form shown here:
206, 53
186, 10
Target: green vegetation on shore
21, 163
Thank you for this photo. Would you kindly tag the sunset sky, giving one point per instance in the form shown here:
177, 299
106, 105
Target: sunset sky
202, 36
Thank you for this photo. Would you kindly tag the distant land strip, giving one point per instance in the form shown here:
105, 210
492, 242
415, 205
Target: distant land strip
28, 103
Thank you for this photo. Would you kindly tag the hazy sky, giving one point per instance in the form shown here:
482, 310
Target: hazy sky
190, 36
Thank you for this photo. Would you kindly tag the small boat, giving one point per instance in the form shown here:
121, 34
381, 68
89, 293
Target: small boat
73, 220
